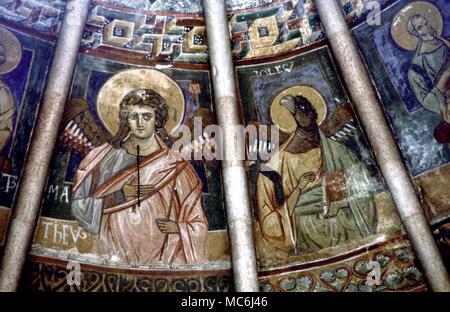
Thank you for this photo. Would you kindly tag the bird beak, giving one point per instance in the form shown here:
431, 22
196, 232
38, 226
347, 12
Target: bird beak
288, 102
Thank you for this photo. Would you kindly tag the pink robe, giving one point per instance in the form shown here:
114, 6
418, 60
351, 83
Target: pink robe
135, 237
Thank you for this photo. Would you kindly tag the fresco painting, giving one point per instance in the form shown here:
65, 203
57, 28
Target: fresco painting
408, 58
121, 176
137, 216
22, 66
321, 190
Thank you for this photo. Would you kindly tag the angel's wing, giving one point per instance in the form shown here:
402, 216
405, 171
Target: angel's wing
341, 126
203, 139
80, 131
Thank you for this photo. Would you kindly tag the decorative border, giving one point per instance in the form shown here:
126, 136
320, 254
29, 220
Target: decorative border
395, 261
43, 274
398, 271
168, 37
180, 38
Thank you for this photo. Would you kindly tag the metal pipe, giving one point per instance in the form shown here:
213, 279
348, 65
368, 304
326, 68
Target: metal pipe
386, 151
34, 176
237, 201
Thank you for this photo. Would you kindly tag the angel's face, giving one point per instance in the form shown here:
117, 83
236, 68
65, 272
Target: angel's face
141, 120
423, 28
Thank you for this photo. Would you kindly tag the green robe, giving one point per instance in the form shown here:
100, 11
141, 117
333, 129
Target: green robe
357, 220
423, 74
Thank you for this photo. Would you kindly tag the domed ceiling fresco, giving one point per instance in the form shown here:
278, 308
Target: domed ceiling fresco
280, 52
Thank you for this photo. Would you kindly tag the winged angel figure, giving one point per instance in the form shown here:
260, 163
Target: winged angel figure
314, 192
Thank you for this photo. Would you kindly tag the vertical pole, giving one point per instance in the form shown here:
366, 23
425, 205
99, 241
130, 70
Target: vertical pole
386, 151
34, 176
237, 202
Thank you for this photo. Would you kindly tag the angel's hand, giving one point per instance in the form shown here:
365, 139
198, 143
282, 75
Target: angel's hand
167, 226
445, 111
146, 190
132, 190
333, 208
443, 80
306, 178
4, 117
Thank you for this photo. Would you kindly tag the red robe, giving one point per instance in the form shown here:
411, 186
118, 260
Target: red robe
135, 237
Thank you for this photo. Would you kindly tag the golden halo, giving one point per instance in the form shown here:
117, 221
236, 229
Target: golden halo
399, 30
283, 119
118, 86
13, 51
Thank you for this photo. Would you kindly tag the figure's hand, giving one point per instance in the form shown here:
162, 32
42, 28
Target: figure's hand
445, 112
168, 226
442, 82
5, 117
333, 208
306, 178
446, 73
131, 189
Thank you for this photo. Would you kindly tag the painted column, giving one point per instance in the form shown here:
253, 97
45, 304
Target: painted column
239, 218
386, 151
34, 176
